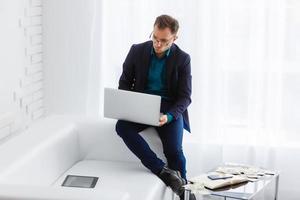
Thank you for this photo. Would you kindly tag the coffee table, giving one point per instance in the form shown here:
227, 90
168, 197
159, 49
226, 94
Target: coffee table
266, 186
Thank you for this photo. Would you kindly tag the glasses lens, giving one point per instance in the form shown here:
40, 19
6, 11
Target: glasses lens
163, 43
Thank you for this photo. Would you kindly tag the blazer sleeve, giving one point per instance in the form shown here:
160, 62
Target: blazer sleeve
126, 81
184, 89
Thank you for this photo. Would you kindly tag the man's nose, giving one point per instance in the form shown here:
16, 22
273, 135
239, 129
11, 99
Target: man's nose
158, 43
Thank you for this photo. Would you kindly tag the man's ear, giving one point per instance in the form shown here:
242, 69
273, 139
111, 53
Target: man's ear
175, 37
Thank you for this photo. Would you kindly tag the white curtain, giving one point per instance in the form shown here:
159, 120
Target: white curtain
245, 67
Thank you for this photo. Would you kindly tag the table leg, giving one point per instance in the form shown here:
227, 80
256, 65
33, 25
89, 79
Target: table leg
187, 194
276, 187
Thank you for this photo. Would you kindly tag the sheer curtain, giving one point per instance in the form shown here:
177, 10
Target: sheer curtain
245, 67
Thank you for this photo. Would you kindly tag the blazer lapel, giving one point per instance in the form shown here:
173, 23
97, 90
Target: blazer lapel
170, 64
146, 63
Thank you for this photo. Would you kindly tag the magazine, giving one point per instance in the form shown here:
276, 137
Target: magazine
218, 183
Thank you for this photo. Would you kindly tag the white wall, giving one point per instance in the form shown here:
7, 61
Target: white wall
69, 43
21, 75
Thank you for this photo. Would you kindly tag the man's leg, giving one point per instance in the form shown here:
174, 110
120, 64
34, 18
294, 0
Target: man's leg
129, 132
171, 136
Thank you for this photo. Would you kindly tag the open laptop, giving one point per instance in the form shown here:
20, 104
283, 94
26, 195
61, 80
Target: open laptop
132, 106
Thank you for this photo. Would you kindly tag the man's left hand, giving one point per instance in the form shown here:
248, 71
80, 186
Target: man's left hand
163, 120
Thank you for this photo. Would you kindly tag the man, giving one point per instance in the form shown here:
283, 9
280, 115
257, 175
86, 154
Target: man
160, 67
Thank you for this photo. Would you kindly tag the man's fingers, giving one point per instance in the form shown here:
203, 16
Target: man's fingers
162, 120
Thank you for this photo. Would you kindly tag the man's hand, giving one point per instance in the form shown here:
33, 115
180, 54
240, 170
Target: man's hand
163, 120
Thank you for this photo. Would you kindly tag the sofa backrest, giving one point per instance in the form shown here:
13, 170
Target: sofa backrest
99, 141
39, 155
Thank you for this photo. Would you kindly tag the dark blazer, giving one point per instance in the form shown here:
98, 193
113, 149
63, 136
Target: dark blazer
179, 80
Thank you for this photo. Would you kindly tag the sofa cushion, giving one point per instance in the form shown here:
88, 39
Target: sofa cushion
130, 179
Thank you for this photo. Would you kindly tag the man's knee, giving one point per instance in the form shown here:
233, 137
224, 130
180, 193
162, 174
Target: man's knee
120, 128
125, 129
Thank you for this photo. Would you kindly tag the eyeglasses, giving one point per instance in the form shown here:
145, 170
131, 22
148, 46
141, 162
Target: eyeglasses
162, 42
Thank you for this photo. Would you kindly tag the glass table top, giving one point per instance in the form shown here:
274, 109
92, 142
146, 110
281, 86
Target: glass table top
245, 190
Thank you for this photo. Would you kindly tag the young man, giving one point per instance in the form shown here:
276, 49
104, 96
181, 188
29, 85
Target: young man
160, 67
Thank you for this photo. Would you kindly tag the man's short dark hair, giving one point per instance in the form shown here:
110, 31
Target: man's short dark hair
166, 21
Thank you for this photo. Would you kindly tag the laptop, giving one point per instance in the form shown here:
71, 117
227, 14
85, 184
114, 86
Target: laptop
132, 106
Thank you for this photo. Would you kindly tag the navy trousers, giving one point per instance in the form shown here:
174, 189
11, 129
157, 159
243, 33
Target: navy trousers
171, 136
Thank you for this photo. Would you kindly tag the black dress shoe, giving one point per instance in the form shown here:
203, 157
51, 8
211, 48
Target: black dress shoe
173, 179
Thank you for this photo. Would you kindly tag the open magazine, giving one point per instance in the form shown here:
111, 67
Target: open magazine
216, 183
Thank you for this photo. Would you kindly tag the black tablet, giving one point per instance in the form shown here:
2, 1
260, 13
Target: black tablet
80, 181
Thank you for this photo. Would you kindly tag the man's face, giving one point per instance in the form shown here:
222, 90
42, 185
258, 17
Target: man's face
162, 39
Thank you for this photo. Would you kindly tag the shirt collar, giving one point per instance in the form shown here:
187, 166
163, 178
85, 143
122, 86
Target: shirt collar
167, 52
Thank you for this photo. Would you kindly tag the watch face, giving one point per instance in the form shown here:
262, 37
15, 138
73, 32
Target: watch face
80, 181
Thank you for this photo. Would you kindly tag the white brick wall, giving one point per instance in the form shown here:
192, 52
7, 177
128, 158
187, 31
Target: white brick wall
29, 95
6, 121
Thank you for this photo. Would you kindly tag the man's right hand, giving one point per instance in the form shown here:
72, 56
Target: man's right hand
163, 120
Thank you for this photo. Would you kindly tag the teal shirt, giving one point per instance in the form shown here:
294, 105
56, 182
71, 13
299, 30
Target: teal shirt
157, 77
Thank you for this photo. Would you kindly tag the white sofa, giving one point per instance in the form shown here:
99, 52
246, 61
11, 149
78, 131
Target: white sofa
34, 164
